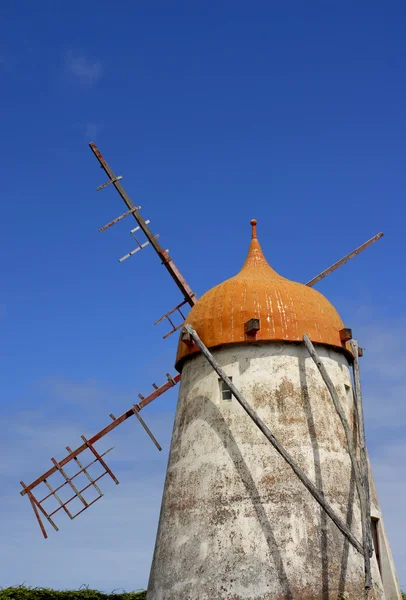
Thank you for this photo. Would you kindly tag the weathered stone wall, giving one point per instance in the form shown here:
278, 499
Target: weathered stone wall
235, 522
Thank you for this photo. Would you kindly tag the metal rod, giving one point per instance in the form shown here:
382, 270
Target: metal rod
129, 413
114, 221
83, 469
352, 452
172, 331
53, 493
278, 447
167, 261
82, 490
140, 247
103, 185
100, 459
147, 429
344, 260
68, 480
138, 227
177, 307
90, 504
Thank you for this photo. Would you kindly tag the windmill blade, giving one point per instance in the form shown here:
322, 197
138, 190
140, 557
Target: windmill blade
88, 444
133, 210
344, 260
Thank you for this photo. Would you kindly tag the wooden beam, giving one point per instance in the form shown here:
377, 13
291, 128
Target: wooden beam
351, 450
278, 447
363, 447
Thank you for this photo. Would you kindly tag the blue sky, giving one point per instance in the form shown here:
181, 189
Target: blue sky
214, 113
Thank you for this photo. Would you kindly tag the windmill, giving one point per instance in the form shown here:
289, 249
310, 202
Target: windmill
223, 533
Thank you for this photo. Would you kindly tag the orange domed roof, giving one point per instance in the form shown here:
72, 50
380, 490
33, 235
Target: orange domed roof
286, 309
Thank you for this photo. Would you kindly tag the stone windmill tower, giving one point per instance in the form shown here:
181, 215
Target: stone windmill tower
268, 493
236, 521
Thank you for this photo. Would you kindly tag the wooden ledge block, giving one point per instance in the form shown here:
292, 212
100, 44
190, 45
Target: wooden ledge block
252, 326
345, 334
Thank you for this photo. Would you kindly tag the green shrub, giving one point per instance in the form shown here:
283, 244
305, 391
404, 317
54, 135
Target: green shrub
24, 593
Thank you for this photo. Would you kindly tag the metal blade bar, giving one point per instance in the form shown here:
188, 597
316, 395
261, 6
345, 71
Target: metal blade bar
100, 459
147, 429
140, 247
172, 331
167, 261
53, 493
138, 228
90, 504
85, 471
68, 480
344, 260
129, 413
178, 307
167, 316
114, 221
103, 185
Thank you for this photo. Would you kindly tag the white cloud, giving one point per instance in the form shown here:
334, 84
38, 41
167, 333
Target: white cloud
92, 130
83, 69
83, 393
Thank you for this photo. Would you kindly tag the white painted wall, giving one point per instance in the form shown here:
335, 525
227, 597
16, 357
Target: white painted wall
236, 523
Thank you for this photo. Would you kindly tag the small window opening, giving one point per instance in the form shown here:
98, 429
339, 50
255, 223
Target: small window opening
348, 392
225, 391
375, 536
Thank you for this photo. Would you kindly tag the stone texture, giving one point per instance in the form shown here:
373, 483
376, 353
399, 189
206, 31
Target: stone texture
235, 521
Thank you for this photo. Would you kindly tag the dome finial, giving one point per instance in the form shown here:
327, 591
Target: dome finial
253, 224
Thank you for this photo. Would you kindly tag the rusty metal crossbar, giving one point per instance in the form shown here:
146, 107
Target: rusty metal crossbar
167, 316
88, 444
63, 505
123, 216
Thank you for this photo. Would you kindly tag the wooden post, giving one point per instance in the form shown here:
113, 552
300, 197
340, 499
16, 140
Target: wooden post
363, 446
278, 447
351, 450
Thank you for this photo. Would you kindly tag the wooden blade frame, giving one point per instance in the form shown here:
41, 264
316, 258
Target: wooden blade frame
167, 261
58, 467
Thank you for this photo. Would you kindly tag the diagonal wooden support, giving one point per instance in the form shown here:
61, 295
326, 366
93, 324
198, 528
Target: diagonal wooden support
278, 447
100, 459
351, 450
37, 505
83, 470
145, 426
69, 482
362, 440
61, 504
